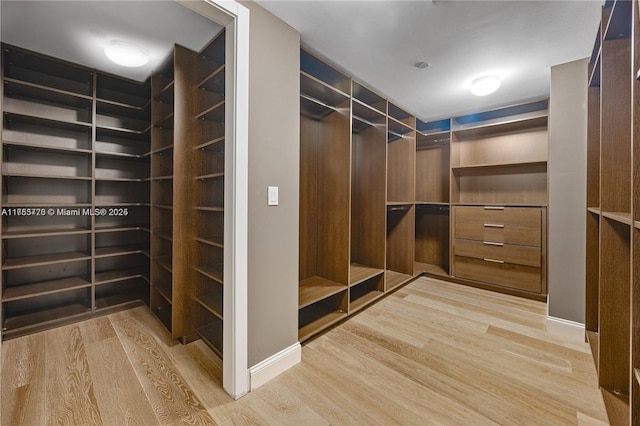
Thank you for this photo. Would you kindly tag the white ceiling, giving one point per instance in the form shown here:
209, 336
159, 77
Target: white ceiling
378, 42
78, 30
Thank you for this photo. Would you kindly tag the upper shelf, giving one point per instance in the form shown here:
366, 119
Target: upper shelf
622, 217
313, 66
214, 51
504, 120
619, 24
121, 92
369, 98
365, 116
318, 99
401, 115
398, 129
433, 127
59, 75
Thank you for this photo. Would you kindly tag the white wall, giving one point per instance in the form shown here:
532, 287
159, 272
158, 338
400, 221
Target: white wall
567, 190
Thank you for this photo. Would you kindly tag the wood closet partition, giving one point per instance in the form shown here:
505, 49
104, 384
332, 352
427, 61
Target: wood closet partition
379, 192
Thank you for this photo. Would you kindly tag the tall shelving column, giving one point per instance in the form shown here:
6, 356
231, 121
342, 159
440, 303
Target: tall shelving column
121, 191
75, 144
368, 155
615, 199
401, 151
325, 151
592, 284
635, 238
432, 197
499, 197
162, 190
46, 164
175, 127
208, 167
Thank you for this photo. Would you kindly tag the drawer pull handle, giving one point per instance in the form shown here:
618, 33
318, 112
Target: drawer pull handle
493, 260
492, 243
494, 207
493, 225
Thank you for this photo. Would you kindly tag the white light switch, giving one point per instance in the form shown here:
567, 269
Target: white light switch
273, 196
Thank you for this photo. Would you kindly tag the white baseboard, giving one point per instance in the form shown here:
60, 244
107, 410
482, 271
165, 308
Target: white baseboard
564, 328
266, 370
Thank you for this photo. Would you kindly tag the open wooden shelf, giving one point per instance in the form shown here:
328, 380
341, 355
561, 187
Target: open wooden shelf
210, 272
41, 318
359, 273
43, 288
216, 241
619, 217
211, 334
314, 289
364, 301
119, 250
211, 304
318, 319
394, 279
7, 235
216, 144
498, 165
594, 210
106, 277
611, 316
45, 259
426, 268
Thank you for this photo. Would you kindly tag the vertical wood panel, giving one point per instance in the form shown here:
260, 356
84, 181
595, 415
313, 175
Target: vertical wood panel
334, 196
368, 198
614, 306
401, 169
432, 173
615, 150
593, 148
592, 285
432, 237
309, 139
401, 240
184, 248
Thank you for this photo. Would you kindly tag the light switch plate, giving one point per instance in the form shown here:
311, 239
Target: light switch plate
273, 196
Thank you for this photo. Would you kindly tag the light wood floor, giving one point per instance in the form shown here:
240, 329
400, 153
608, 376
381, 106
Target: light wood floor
431, 353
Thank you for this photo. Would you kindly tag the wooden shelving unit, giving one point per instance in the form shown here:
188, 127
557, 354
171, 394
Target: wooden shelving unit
499, 196
99, 171
432, 230
324, 204
378, 190
613, 207
74, 144
208, 167
368, 153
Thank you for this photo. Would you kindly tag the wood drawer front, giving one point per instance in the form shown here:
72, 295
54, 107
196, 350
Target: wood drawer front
524, 217
507, 274
521, 255
508, 235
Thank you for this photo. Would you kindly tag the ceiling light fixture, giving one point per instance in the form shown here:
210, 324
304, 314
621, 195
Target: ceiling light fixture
126, 54
486, 85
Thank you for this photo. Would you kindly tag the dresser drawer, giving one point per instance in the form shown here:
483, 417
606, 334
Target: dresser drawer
507, 274
498, 233
499, 252
500, 216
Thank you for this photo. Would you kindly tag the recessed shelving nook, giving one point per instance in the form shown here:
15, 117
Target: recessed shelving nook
611, 314
432, 231
97, 173
67, 136
379, 191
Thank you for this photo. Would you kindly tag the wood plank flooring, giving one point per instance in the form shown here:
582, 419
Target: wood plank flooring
431, 353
